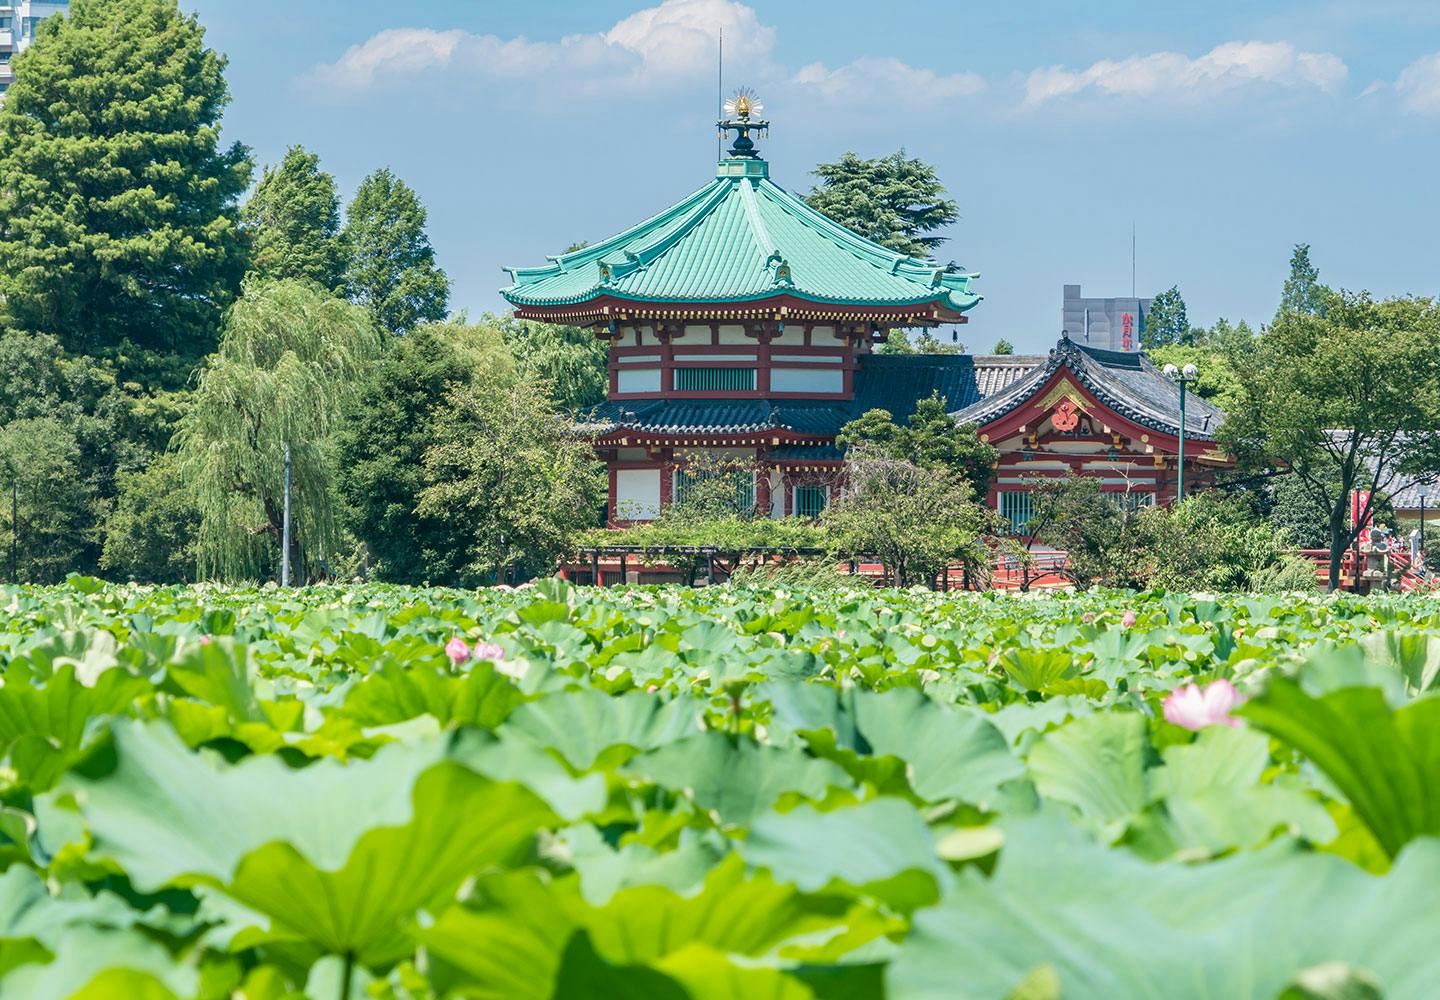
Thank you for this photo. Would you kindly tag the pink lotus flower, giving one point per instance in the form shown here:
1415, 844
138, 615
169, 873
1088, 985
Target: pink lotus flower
492, 651
1193, 708
206, 640
457, 650
1127, 620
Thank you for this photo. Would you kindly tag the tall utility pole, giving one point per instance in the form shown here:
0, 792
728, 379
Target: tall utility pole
720, 96
285, 527
1132, 260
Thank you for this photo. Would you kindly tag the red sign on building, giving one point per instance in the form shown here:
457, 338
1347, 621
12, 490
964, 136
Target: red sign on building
1127, 332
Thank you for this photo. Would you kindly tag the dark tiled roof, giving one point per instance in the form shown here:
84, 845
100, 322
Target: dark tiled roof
803, 452
1405, 493
1402, 488
715, 416
1125, 381
894, 382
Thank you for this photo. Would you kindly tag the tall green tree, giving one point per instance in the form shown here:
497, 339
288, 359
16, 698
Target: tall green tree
289, 362
150, 535
395, 417
574, 363
1345, 400
929, 438
293, 221
55, 530
1303, 292
391, 268
1002, 347
896, 201
513, 484
915, 520
118, 214
1166, 323
103, 429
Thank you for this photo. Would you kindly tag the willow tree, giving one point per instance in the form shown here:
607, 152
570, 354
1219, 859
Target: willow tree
289, 361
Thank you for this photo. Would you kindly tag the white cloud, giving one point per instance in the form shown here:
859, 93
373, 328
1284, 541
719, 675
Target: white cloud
1419, 86
673, 39
680, 35
869, 77
1173, 75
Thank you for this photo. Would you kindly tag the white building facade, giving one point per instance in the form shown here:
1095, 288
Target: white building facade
18, 21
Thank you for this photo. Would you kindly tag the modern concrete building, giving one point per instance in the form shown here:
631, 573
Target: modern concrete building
1109, 324
18, 21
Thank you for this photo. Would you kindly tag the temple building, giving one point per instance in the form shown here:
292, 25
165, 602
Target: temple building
742, 323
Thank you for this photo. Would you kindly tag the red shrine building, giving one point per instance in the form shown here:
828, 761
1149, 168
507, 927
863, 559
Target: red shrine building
743, 324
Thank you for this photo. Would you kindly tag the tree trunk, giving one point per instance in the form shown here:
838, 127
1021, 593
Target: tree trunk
1338, 544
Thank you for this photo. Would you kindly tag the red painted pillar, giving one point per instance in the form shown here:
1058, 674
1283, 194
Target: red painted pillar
762, 488
667, 478
613, 488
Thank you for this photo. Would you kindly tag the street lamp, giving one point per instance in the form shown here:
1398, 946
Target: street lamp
1183, 376
1422, 491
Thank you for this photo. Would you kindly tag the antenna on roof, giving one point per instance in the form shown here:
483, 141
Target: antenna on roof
720, 95
1132, 260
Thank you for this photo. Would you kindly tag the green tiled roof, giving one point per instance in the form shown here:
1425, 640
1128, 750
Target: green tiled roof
741, 238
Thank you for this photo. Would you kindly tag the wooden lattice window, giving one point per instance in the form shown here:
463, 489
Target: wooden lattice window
686, 480
810, 501
714, 379
1017, 508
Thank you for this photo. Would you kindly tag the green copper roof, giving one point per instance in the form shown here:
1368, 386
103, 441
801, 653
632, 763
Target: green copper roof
741, 238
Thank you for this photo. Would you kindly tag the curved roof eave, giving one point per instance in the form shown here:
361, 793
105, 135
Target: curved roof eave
943, 298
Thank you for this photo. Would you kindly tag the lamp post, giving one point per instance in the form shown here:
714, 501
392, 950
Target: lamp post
1423, 491
1182, 376
285, 527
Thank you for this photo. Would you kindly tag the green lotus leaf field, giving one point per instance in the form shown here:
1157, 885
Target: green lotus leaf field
642, 793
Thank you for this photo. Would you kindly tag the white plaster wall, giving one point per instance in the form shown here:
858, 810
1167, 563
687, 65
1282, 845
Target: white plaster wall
637, 494
806, 380
638, 380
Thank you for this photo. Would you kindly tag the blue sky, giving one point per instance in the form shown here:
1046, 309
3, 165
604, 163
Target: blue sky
1225, 131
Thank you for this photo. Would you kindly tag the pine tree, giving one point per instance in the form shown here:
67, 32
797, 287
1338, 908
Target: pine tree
897, 202
293, 220
117, 205
391, 265
1303, 292
1166, 322
1003, 346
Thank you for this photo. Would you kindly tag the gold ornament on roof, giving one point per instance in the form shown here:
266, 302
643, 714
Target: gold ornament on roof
742, 116
742, 104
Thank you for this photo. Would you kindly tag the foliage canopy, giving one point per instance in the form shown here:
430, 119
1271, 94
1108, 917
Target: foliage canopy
118, 215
